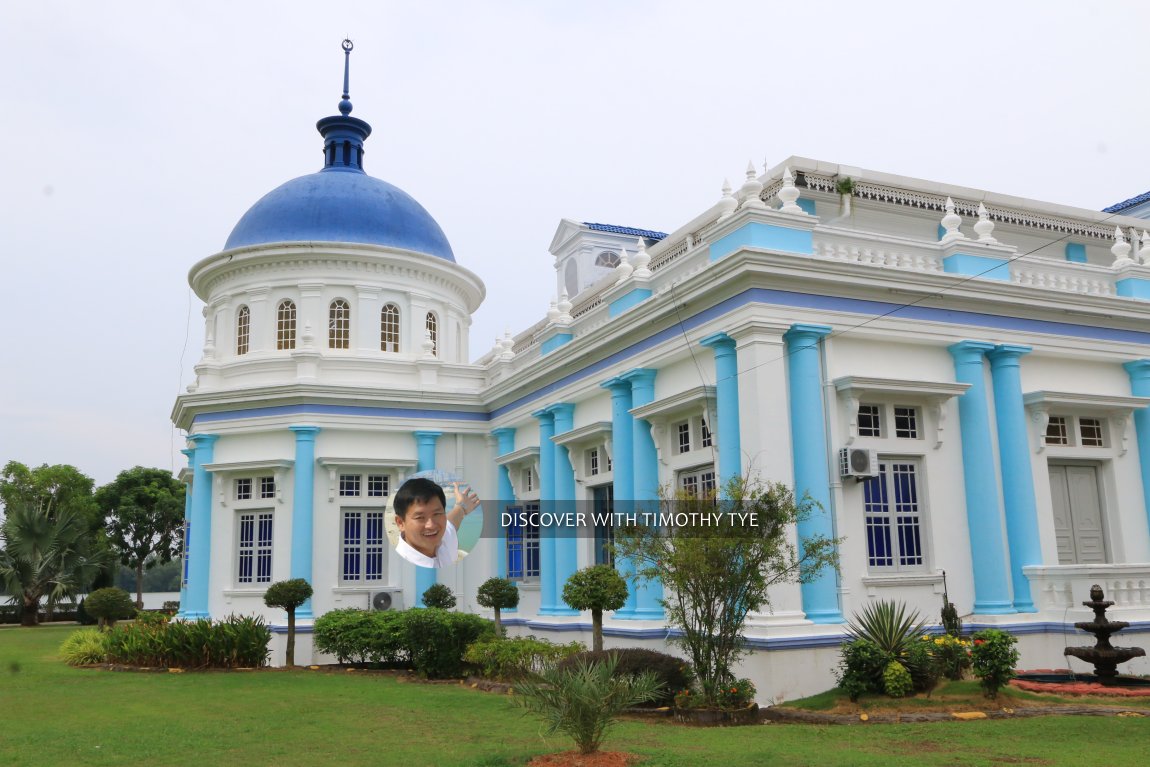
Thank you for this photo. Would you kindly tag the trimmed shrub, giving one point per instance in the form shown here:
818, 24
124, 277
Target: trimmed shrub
436, 639
518, 658
172, 606
498, 594
363, 638
896, 680
85, 647
993, 657
861, 668
673, 673
82, 616
438, 596
596, 588
110, 605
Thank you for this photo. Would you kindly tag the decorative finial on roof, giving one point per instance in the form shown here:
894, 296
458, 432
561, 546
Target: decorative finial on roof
1144, 251
564, 307
751, 189
950, 222
345, 104
727, 203
1121, 250
642, 258
789, 193
624, 269
984, 226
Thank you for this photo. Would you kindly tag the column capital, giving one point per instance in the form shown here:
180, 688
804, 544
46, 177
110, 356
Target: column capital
188, 453
426, 436
617, 386
304, 433
720, 342
639, 375
802, 332
545, 415
1006, 354
203, 440
561, 409
969, 351
1138, 370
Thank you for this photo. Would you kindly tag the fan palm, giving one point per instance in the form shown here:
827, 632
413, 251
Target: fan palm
46, 557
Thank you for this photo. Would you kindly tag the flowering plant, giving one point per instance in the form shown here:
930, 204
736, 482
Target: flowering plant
951, 653
737, 694
993, 657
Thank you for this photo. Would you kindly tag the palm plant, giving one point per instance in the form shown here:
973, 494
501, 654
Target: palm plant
46, 557
583, 700
889, 627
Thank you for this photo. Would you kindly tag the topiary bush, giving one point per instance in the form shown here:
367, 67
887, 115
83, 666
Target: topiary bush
85, 647
510, 660
896, 680
110, 605
439, 596
82, 616
596, 588
288, 595
498, 594
674, 674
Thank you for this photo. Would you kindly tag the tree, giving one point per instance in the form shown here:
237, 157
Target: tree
110, 605
716, 573
498, 594
596, 588
52, 488
144, 509
46, 557
288, 595
438, 595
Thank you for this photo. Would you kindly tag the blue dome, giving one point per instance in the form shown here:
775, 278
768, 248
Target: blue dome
340, 204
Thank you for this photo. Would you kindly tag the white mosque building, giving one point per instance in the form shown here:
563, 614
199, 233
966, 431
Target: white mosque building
959, 377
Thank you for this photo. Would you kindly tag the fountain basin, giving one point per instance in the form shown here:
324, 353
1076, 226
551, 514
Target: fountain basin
1067, 682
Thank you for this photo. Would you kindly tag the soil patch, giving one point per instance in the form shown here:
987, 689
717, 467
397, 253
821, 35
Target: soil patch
576, 759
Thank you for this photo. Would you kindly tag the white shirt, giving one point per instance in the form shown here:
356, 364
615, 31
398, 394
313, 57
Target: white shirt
445, 554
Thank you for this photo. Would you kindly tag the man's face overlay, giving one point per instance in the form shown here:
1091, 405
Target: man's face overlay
423, 526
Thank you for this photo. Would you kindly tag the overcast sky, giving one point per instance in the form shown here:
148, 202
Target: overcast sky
137, 133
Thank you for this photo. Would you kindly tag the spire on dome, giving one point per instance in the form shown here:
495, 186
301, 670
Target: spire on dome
343, 135
345, 104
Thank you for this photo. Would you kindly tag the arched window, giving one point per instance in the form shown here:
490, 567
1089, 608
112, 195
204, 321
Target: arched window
339, 325
243, 329
285, 325
433, 332
607, 259
389, 328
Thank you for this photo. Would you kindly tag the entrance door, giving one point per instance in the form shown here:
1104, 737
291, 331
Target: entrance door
1077, 514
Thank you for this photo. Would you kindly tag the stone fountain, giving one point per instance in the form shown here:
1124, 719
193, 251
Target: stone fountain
1103, 655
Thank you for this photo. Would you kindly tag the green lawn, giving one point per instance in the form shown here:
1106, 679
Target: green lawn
56, 715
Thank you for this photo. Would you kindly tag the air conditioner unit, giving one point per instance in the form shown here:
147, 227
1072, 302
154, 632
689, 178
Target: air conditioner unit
386, 600
857, 463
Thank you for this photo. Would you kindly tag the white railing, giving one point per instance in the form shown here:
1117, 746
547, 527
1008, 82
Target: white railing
1063, 587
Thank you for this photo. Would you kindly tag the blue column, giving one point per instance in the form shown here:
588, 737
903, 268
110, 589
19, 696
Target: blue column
983, 514
1139, 372
646, 485
727, 404
809, 449
200, 532
566, 548
548, 595
425, 454
623, 468
505, 494
303, 509
1017, 474
184, 550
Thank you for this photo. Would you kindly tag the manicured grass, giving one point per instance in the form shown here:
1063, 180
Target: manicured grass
56, 715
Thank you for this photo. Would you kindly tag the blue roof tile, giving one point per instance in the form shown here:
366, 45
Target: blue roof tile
1121, 206
645, 233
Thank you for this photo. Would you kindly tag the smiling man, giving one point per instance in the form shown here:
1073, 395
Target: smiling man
428, 534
